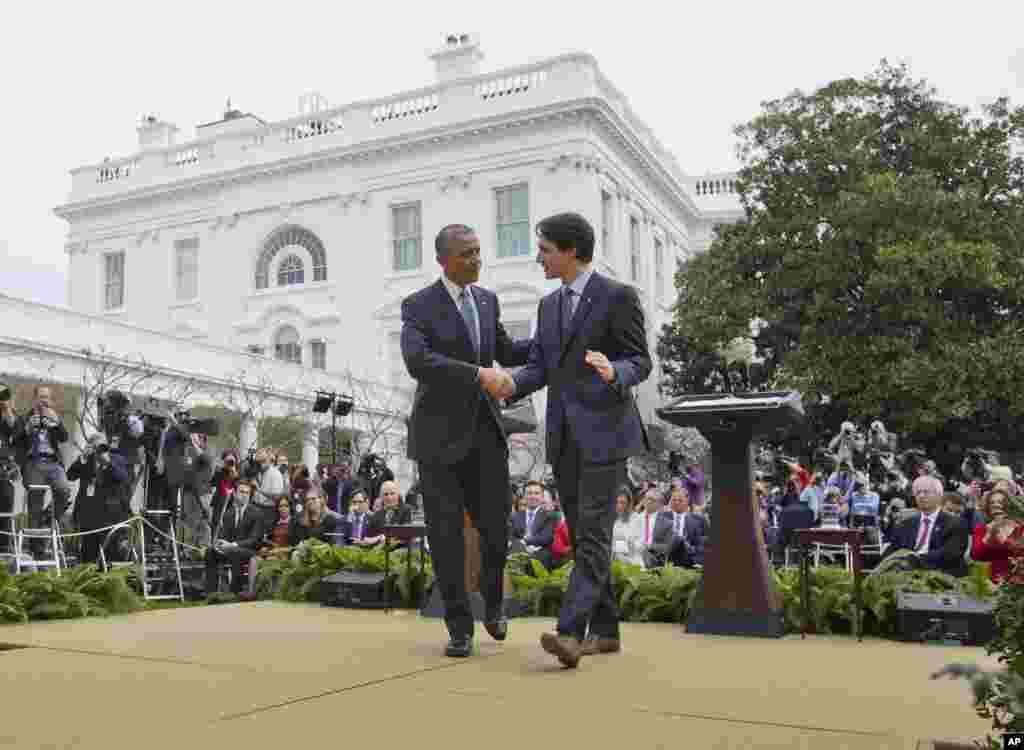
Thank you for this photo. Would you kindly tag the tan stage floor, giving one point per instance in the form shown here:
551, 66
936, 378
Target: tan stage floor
272, 675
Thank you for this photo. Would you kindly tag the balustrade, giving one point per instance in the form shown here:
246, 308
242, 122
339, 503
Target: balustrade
420, 105
511, 85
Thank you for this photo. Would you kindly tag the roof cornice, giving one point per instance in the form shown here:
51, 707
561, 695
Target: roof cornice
574, 109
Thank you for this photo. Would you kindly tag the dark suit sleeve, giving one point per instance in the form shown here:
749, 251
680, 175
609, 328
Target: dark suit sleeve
534, 375
509, 353
545, 535
661, 540
254, 537
633, 364
949, 554
423, 363
60, 432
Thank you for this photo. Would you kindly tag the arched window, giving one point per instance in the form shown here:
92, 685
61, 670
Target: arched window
290, 271
287, 346
291, 235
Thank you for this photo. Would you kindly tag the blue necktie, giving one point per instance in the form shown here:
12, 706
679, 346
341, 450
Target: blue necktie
566, 313
469, 314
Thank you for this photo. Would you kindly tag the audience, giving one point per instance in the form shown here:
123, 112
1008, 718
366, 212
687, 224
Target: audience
240, 536
358, 521
679, 536
533, 529
313, 523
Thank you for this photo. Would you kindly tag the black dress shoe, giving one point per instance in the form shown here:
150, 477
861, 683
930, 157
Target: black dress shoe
498, 628
459, 646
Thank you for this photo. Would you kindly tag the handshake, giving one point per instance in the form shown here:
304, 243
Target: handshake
497, 383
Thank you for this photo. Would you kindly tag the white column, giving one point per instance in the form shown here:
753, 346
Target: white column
247, 435
311, 445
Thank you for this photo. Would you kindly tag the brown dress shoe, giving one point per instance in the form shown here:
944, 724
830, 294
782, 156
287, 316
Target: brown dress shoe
594, 645
567, 649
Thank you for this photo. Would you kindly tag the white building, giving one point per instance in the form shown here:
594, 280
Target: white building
299, 238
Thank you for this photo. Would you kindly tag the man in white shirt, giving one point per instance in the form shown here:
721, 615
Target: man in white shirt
652, 507
937, 539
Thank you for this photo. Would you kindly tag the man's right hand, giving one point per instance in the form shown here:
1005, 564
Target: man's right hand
497, 382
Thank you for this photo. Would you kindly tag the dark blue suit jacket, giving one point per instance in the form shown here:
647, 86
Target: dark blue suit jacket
947, 542
602, 417
438, 353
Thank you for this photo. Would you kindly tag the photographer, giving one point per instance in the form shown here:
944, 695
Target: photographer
102, 498
223, 482
847, 443
40, 434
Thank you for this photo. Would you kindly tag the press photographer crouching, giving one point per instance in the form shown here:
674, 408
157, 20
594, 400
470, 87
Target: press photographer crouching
102, 500
40, 436
241, 533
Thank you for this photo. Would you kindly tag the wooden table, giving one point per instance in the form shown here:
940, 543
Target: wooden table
853, 537
405, 532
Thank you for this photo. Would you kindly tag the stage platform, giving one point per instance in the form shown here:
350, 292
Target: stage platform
273, 675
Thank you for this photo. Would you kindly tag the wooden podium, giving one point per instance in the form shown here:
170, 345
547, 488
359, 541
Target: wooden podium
737, 594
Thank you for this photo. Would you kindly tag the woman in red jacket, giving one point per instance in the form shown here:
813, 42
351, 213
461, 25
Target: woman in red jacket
561, 548
998, 540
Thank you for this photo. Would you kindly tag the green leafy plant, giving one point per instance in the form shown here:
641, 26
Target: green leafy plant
79, 592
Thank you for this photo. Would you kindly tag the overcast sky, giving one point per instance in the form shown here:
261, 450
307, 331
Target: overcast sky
78, 76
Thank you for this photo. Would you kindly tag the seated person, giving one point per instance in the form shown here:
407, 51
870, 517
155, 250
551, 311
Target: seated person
561, 548
313, 523
358, 521
391, 512
794, 516
679, 535
936, 538
863, 501
240, 537
628, 531
533, 530
278, 548
998, 540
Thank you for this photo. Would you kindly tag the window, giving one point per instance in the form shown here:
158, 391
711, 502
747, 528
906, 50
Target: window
291, 236
318, 355
186, 269
287, 347
659, 271
290, 271
113, 281
513, 221
634, 249
407, 237
254, 349
606, 223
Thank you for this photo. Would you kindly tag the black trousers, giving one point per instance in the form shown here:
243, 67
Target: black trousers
233, 555
479, 485
587, 492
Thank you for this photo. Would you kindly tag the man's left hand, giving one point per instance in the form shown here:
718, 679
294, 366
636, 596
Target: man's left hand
600, 363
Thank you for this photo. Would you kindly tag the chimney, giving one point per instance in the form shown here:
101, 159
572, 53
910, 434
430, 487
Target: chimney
459, 57
155, 134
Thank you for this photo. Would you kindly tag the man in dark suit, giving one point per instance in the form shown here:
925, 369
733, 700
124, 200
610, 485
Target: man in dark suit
679, 535
240, 537
533, 529
937, 538
590, 350
451, 336
795, 515
339, 487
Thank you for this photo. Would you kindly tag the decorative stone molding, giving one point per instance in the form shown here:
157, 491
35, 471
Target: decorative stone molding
582, 162
454, 181
345, 201
228, 221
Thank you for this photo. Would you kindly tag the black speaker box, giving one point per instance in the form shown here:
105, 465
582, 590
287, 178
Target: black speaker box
356, 590
945, 616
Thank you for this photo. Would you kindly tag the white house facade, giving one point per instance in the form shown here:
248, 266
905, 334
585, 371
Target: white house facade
298, 239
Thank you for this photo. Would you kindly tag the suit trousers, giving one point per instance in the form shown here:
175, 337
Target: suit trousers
587, 492
477, 484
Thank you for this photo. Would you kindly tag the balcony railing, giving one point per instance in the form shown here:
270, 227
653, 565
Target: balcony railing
566, 79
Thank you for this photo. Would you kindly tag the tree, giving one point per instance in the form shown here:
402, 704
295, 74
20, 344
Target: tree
882, 253
379, 417
528, 453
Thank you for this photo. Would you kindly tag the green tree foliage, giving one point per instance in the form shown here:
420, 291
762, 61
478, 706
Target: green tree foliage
883, 254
